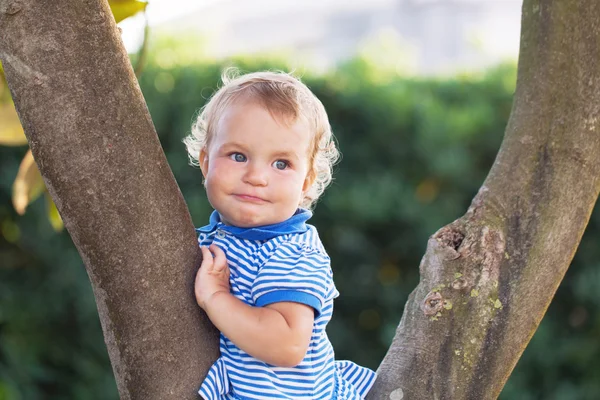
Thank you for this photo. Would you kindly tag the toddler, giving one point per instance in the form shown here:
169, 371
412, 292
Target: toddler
265, 148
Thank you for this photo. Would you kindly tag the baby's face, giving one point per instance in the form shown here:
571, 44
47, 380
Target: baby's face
256, 167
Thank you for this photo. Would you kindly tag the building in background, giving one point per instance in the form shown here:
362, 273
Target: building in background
422, 36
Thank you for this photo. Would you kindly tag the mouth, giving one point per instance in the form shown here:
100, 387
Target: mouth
249, 199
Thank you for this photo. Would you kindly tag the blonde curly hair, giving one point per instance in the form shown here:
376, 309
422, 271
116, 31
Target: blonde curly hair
284, 96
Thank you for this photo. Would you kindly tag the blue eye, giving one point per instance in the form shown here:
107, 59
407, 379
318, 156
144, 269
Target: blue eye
280, 164
237, 157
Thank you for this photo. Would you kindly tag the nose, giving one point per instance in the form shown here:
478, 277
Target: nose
256, 175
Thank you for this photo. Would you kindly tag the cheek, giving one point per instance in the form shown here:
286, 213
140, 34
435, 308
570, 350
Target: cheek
219, 169
292, 186
216, 178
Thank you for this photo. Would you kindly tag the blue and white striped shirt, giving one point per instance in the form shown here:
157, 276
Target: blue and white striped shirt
269, 264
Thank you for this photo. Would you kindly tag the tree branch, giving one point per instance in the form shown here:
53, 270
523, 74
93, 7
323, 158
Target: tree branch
488, 278
94, 142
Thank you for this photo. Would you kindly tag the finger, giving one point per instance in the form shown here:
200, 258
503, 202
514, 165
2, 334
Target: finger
207, 258
203, 267
220, 260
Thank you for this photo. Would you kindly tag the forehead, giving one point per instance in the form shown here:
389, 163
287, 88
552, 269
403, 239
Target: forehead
250, 123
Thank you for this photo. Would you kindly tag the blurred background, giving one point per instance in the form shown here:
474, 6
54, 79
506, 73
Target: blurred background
418, 93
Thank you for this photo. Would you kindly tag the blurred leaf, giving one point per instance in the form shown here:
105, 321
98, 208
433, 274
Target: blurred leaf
3, 86
126, 8
53, 214
11, 132
28, 184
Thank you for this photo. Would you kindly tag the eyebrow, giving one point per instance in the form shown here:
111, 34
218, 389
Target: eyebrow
228, 145
287, 154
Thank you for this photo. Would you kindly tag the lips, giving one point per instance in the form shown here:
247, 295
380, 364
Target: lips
249, 198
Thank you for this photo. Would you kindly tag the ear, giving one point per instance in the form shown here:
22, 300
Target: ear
309, 180
203, 161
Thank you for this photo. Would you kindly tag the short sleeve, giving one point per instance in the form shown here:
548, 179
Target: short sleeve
297, 273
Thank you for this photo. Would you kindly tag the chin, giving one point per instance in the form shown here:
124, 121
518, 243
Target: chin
248, 219
249, 222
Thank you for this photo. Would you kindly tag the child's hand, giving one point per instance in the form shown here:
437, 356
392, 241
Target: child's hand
213, 275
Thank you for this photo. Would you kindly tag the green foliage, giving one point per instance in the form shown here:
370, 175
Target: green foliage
415, 152
51, 344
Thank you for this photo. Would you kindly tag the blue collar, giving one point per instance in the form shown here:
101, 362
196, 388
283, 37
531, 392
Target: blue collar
295, 224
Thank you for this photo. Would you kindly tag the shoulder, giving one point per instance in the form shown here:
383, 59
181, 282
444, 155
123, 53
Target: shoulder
306, 242
296, 268
298, 252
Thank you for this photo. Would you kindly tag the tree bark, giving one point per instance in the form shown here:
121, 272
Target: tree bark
488, 277
94, 142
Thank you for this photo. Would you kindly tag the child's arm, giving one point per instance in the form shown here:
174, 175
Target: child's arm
277, 334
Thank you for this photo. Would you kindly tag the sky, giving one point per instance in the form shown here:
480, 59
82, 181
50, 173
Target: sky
158, 12
498, 37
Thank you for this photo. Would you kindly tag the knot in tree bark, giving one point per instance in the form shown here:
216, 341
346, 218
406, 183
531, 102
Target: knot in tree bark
460, 284
433, 303
450, 237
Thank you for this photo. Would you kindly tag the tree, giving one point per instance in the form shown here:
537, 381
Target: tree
487, 278
28, 184
100, 140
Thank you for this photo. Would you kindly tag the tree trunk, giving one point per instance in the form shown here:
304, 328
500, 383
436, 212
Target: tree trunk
96, 147
488, 277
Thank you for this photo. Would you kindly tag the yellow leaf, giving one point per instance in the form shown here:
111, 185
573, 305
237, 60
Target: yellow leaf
28, 184
53, 215
4, 92
122, 9
11, 132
